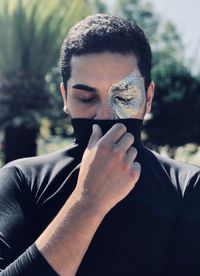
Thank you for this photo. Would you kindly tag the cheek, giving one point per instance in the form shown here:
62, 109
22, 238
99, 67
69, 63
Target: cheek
81, 110
131, 109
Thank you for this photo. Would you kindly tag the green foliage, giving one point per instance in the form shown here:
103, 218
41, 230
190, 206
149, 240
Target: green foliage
31, 32
60, 122
141, 13
98, 6
175, 112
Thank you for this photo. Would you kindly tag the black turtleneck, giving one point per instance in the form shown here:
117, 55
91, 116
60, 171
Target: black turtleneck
153, 231
83, 128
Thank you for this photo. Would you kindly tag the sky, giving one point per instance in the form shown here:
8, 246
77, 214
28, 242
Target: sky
185, 14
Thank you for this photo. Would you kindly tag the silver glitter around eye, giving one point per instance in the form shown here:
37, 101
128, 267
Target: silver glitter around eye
127, 98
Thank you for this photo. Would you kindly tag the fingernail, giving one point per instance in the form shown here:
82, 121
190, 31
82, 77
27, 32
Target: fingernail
94, 127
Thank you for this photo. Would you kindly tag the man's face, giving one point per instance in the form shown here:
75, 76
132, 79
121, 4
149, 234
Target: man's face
106, 86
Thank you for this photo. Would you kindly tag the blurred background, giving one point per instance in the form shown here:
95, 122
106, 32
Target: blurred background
32, 121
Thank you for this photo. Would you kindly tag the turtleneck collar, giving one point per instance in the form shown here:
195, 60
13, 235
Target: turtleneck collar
83, 128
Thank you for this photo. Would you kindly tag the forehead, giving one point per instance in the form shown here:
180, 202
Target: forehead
103, 67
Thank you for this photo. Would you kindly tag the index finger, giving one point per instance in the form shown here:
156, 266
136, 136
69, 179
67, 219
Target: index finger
115, 133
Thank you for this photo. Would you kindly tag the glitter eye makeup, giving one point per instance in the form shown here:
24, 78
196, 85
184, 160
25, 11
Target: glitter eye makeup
127, 98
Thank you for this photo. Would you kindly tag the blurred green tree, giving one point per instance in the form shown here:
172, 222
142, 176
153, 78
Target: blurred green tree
60, 123
99, 6
30, 37
141, 13
175, 117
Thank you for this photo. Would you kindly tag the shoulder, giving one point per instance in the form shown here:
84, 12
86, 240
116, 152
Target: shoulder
41, 176
46, 160
174, 165
182, 174
34, 170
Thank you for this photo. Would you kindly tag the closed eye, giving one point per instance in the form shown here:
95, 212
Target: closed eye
125, 100
88, 100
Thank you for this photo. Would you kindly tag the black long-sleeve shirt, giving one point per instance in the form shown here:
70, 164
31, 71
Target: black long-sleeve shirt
155, 230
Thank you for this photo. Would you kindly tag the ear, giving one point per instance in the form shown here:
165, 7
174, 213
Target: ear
64, 95
150, 94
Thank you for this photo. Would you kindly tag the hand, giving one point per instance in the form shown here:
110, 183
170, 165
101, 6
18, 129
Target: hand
108, 171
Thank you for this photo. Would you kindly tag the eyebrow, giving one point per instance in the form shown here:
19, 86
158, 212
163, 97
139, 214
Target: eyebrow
84, 87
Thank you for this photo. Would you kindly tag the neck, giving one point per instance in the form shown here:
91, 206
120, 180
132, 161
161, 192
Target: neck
83, 128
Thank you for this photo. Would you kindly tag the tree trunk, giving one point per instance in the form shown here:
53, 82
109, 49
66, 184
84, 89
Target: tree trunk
19, 142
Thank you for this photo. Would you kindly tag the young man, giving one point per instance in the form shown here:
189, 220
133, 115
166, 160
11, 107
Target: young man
107, 205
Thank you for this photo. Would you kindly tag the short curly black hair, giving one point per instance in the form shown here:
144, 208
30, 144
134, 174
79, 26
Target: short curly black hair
106, 33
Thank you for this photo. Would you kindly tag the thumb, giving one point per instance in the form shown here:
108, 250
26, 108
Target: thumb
96, 135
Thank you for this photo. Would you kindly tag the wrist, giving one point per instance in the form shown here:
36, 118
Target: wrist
89, 204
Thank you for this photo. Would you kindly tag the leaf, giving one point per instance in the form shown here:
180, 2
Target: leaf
31, 32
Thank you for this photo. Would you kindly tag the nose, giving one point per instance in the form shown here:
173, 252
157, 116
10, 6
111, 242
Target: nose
104, 112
